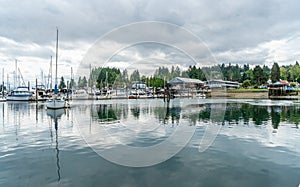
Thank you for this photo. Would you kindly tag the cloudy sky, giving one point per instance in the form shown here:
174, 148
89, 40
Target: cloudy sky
254, 32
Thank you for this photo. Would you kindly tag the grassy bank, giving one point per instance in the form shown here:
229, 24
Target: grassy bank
245, 90
241, 93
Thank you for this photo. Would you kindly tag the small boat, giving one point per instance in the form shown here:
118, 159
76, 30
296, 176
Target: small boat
131, 96
39, 93
80, 94
56, 103
21, 93
200, 95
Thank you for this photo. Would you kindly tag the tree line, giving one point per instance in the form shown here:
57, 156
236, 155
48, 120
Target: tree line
106, 77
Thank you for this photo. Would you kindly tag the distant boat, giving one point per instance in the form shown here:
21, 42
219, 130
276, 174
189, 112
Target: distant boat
80, 94
21, 93
39, 93
56, 102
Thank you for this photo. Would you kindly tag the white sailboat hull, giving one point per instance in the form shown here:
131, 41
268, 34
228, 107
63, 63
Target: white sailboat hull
55, 113
55, 104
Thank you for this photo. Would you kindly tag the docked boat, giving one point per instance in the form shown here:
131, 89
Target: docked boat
80, 95
39, 93
56, 103
21, 93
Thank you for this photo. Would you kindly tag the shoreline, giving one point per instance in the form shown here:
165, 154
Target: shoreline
240, 94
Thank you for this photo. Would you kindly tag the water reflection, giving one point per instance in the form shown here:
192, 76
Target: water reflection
32, 151
55, 115
259, 115
173, 113
236, 113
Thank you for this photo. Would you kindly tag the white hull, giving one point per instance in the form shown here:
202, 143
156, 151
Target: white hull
18, 98
55, 113
55, 104
19, 94
80, 97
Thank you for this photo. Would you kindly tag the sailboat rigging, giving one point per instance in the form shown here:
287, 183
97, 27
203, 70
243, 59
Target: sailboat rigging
56, 102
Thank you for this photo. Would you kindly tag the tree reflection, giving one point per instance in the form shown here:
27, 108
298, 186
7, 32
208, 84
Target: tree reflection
106, 113
174, 113
136, 110
236, 113
275, 118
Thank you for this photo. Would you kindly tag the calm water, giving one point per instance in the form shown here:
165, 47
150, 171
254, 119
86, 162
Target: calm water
258, 143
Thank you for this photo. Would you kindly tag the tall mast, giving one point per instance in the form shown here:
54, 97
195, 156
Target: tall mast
90, 78
51, 73
56, 56
2, 82
71, 81
8, 84
16, 74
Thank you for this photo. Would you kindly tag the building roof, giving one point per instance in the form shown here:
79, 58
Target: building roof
284, 82
181, 80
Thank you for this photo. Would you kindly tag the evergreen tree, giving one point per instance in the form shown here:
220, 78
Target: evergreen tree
135, 76
72, 83
275, 72
62, 83
79, 81
257, 75
266, 74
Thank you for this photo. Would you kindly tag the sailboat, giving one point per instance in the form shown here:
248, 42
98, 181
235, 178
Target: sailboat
56, 102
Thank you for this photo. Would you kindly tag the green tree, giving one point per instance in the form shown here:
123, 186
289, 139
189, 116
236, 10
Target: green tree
236, 73
275, 72
135, 76
294, 72
193, 72
246, 83
62, 83
266, 74
82, 82
283, 73
249, 75
257, 75
72, 83
79, 81
108, 76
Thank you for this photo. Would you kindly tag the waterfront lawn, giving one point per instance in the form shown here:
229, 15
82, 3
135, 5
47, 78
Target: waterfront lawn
239, 90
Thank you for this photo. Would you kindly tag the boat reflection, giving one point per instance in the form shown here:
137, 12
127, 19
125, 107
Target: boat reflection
18, 106
56, 114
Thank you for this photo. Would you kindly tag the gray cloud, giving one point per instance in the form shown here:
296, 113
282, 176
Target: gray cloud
234, 31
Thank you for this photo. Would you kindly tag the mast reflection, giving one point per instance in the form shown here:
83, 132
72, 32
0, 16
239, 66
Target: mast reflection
56, 114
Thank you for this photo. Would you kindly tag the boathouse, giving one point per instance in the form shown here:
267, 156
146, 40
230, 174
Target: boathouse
281, 89
182, 83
